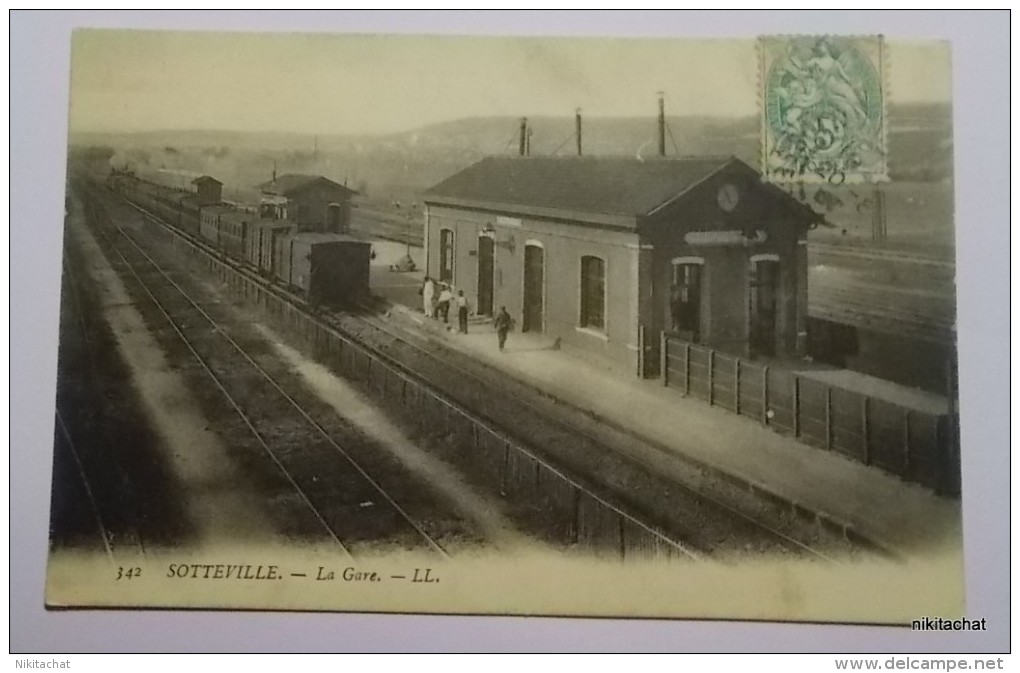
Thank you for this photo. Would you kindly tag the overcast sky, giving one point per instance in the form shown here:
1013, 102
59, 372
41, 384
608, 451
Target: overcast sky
144, 80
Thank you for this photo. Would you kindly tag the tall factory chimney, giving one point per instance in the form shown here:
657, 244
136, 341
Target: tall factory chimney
274, 171
662, 125
578, 124
524, 135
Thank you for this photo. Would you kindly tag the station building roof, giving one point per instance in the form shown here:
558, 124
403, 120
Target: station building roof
611, 185
628, 187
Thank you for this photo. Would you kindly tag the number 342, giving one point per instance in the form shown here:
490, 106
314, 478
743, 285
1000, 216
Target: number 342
128, 573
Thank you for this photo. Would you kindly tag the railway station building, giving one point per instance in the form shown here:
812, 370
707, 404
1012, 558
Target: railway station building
311, 202
606, 253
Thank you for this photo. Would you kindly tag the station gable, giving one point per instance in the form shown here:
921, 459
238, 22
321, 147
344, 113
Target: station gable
731, 201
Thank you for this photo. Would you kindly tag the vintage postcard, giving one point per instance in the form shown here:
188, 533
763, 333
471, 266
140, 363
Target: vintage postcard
511, 326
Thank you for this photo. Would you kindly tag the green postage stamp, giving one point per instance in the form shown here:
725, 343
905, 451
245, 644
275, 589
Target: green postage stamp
823, 103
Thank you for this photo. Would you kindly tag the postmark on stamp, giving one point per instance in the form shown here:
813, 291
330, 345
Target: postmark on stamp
823, 103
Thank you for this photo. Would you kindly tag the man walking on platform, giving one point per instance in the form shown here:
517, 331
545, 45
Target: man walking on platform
503, 323
462, 311
445, 297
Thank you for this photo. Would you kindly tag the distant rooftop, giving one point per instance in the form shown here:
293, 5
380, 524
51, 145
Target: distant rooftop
292, 183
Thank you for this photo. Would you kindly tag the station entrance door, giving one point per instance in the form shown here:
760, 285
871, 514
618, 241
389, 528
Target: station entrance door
685, 300
534, 285
764, 305
486, 269
333, 218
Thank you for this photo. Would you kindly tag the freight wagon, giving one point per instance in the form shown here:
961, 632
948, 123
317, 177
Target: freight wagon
324, 268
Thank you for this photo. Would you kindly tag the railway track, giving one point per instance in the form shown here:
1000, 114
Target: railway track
824, 251
349, 504
65, 444
693, 517
594, 441
923, 315
116, 515
706, 521
541, 527
389, 227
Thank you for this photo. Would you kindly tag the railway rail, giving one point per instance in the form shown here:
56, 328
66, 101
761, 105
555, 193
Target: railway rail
387, 226
925, 316
335, 498
117, 518
876, 254
700, 521
66, 443
561, 430
295, 302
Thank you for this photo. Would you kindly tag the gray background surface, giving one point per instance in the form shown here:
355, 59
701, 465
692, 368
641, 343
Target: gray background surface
39, 95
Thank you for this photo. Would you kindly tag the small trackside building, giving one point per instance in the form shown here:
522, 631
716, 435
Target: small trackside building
606, 253
208, 189
311, 202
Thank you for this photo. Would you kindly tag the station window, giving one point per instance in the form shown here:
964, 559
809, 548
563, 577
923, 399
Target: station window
593, 292
446, 256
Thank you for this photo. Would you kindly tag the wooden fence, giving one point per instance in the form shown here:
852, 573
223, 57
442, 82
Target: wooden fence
915, 445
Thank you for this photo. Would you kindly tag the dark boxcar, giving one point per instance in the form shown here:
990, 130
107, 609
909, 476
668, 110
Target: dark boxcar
189, 214
251, 247
209, 229
330, 269
281, 253
169, 208
274, 251
233, 231
264, 238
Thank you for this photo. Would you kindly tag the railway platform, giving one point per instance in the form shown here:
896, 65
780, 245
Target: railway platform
902, 518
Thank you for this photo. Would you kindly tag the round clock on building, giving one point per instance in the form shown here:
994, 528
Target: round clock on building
728, 197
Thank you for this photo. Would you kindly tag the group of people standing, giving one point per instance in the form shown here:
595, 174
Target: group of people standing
437, 298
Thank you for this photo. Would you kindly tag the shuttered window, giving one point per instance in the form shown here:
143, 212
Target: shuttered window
593, 293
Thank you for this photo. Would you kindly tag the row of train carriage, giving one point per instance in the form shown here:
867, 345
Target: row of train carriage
325, 268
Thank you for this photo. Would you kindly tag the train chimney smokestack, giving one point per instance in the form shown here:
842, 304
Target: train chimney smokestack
577, 119
524, 136
662, 125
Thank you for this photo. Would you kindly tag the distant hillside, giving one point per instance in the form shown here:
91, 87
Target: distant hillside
405, 163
